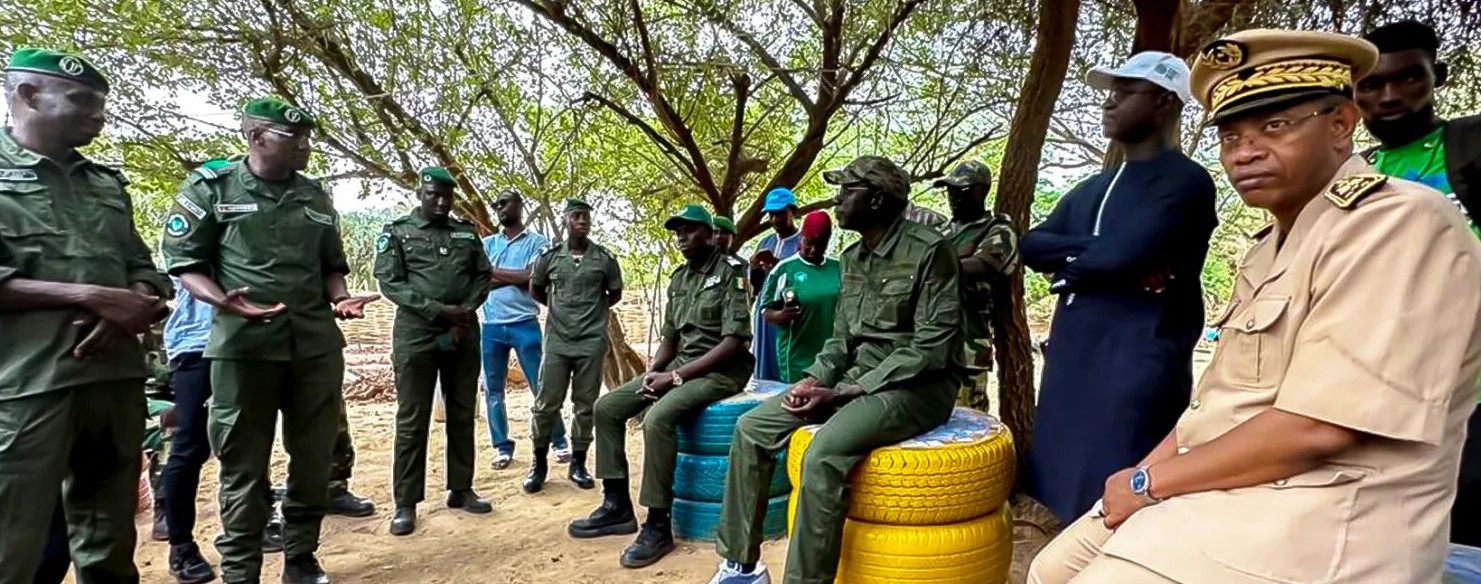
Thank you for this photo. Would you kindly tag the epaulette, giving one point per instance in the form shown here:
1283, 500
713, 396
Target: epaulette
116, 172
1346, 193
211, 170
1262, 231
734, 262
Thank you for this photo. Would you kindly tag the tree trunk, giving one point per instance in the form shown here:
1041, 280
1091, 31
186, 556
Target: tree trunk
621, 364
1054, 38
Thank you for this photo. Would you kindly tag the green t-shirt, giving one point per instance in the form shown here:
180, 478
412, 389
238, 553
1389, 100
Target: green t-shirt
817, 288
1423, 161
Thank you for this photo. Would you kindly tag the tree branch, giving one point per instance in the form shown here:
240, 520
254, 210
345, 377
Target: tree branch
667, 147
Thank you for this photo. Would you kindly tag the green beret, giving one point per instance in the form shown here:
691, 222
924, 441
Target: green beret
438, 174
691, 214
725, 224
58, 64
277, 111
577, 205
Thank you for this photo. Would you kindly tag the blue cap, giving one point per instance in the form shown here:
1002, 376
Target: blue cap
778, 199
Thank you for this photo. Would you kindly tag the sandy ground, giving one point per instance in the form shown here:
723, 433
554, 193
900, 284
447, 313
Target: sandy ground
524, 541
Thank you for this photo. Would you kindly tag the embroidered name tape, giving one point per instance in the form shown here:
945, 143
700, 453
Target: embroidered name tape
225, 208
464, 235
18, 174
189, 205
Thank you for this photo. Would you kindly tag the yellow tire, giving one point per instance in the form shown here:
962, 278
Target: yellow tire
959, 471
978, 551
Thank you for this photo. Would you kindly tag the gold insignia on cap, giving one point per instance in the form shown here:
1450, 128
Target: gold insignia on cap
1281, 76
1347, 192
1223, 55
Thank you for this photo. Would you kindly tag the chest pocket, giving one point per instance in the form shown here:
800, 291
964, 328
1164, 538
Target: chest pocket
111, 211
894, 308
28, 211
1254, 337
419, 252
709, 303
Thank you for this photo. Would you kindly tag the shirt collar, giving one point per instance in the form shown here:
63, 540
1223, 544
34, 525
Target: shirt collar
16, 154
891, 237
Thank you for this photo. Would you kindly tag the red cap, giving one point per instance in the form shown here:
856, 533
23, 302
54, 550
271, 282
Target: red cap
817, 224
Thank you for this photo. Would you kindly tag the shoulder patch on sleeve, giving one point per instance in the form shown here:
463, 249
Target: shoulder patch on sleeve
1346, 193
383, 242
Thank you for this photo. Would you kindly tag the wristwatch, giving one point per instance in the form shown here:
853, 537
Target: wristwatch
1141, 486
677, 380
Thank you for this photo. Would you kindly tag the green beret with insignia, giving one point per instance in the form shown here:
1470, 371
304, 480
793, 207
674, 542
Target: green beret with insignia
727, 225
573, 205
275, 110
58, 64
437, 174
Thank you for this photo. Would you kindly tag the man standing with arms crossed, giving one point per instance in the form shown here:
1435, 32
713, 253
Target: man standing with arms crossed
260, 243
434, 269
1398, 103
77, 286
986, 245
511, 323
580, 281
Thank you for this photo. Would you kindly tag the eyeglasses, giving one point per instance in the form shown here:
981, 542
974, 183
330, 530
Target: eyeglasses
1273, 130
296, 138
845, 189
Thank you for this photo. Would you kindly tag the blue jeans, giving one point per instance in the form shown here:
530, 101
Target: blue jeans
524, 338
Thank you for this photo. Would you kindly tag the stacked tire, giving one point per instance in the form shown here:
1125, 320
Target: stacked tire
928, 510
704, 459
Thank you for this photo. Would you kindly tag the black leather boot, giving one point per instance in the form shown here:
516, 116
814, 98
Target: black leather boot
535, 477
303, 569
469, 501
187, 566
577, 471
654, 542
405, 521
613, 517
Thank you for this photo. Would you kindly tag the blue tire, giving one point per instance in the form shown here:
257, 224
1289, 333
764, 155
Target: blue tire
696, 521
701, 478
709, 432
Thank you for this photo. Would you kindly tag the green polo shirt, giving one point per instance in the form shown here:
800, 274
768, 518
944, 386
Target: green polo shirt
281, 240
71, 222
705, 305
576, 288
423, 266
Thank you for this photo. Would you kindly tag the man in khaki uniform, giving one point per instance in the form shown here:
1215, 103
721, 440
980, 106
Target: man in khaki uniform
1323, 441
77, 286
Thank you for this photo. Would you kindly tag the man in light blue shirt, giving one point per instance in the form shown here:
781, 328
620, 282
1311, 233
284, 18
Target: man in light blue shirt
510, 323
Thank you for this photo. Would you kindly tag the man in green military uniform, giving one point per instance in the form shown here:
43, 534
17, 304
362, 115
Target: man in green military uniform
580, 281
725, 234
987, 248
701, 360
890, 372
260, 243
433, 267
77, 287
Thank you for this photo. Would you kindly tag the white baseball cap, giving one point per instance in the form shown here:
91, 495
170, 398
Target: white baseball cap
1164, 70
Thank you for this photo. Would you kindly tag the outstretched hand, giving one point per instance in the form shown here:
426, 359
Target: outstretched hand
354, 307
236, 304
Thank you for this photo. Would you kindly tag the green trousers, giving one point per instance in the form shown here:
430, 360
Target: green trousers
581, 376
417, 374
344, 452
660, 430
863, 424
80, 443
247, 396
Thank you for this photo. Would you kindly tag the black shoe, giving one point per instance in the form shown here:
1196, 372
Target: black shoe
469, 501
577, 471
161, 529
405, 521
272, 535
612, 518
303, 569
655, 542
535, 477
347, 504
188, 567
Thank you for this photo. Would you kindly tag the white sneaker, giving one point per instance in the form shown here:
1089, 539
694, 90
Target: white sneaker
730, 573
562, 455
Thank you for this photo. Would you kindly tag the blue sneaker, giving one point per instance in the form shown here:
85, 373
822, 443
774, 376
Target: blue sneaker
731, 573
